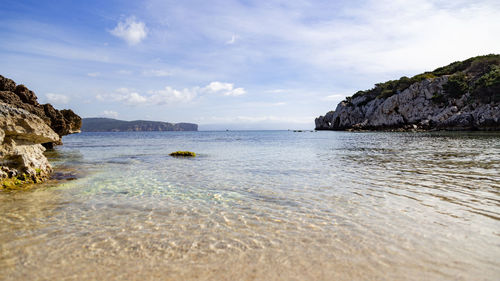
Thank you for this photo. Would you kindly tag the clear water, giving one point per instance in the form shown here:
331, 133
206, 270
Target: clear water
273, 205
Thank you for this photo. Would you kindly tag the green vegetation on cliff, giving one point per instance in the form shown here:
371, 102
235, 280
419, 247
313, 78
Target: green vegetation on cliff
479, 76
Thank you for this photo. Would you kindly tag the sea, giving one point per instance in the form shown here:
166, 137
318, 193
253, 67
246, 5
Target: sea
259, 205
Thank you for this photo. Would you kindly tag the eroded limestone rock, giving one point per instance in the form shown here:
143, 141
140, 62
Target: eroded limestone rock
21, 152
413, 106
63, 122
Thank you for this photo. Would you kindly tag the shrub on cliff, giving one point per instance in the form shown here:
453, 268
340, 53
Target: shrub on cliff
456, 85
478, 74
474, 65
392, 87
487, 87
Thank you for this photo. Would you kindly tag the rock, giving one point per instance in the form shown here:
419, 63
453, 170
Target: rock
63, 122
26, 95
183, 154
19, 124
424, 103
24, 126
7, 84
73, 122
21, 152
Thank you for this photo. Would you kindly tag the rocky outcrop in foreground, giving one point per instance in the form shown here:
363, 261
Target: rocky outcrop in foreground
461, 96
63, 122
24, 126
21, 152
113, 125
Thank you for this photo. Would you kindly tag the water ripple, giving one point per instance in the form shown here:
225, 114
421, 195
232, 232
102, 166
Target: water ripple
260, 205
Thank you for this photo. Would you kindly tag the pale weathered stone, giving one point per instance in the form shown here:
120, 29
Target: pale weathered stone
24, 126
413, 106
21, 152
20, 124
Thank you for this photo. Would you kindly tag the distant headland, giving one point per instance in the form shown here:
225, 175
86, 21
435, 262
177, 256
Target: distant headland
114, 125
464, 95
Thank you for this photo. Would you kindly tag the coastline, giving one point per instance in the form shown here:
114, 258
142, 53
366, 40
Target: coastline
461, 96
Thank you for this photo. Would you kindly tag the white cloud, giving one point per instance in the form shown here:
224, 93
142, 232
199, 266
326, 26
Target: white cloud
402, 36
387, 36
129, 97
236, 92
124, 72
93, 74
169, 95
57, 98
157, 73
135, 98
130, 30
123, 90
109, 113
276, 91
372, 36
218, 86
124, 95
335, 97
226, 89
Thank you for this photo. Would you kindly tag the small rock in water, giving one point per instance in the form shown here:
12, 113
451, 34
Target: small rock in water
183, 154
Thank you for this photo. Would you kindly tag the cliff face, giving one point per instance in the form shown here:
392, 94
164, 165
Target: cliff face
461, 96
113, 125
63, 122
24, 126
21, 152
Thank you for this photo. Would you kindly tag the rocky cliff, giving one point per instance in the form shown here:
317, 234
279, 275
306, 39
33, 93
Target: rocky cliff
113, 125
63, 122
461, 96
24, 126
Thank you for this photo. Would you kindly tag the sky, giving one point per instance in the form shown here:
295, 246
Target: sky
231, 64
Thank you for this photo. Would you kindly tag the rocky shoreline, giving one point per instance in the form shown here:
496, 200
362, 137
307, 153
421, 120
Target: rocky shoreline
461, 96
27, 129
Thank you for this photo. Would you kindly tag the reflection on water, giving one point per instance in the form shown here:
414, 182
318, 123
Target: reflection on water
260, 205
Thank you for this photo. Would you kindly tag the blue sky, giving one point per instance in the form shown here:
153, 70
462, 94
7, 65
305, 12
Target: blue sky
231, 64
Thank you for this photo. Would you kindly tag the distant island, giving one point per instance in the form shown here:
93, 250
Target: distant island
464, 95
114, 125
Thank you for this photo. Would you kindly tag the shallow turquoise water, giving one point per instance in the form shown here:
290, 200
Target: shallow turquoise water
260, 205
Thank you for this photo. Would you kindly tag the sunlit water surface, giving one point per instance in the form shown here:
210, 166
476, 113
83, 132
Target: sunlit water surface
260, 206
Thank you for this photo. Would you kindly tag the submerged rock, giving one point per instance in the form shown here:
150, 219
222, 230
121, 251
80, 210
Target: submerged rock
183, 154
